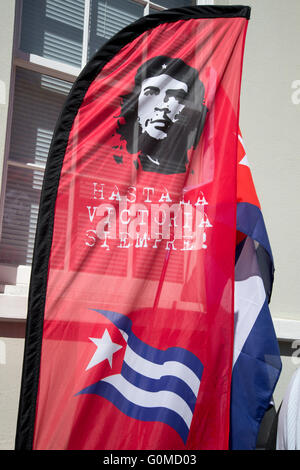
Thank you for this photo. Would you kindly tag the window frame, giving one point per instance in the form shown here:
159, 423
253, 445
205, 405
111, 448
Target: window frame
59, 69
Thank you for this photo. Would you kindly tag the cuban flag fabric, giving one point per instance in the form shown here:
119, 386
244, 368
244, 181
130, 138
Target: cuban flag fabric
153, 385
130, 329
256, 358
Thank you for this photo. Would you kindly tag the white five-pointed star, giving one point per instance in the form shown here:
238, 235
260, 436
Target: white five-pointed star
244, 161
105, 350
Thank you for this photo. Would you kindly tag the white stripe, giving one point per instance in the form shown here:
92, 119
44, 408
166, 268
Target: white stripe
245, 161
156, 371
249, 296
147, 399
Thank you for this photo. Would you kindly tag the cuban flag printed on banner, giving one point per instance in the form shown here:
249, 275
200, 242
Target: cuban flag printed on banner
256, 357
153, 385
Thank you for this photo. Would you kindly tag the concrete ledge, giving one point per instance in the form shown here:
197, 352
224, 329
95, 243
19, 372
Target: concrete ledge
287, 330
12, 275
13, 307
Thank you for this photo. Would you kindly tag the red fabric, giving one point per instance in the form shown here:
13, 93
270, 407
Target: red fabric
246, 191
175, 297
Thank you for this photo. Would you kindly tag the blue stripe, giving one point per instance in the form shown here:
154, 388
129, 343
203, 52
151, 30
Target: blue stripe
154, 355
168, 382
161, 414
120, 321
250, 221
239, 249
171, 354
254, 378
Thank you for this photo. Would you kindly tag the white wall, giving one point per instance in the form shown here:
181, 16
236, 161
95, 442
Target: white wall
270, 123
11, 341
11, 354
7, 8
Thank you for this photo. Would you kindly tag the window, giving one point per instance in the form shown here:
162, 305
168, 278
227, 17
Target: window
54, 39
31, 134
108, 17
53, 29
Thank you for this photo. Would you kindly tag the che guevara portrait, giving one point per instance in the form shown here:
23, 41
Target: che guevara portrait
164, 115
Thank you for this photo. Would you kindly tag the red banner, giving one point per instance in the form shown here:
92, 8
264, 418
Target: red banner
135, 298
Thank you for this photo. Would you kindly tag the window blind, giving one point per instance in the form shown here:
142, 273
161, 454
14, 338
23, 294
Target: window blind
108, 17
174, 3
37, 103
53, 29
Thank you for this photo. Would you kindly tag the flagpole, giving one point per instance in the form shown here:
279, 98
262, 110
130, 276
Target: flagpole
161, 280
